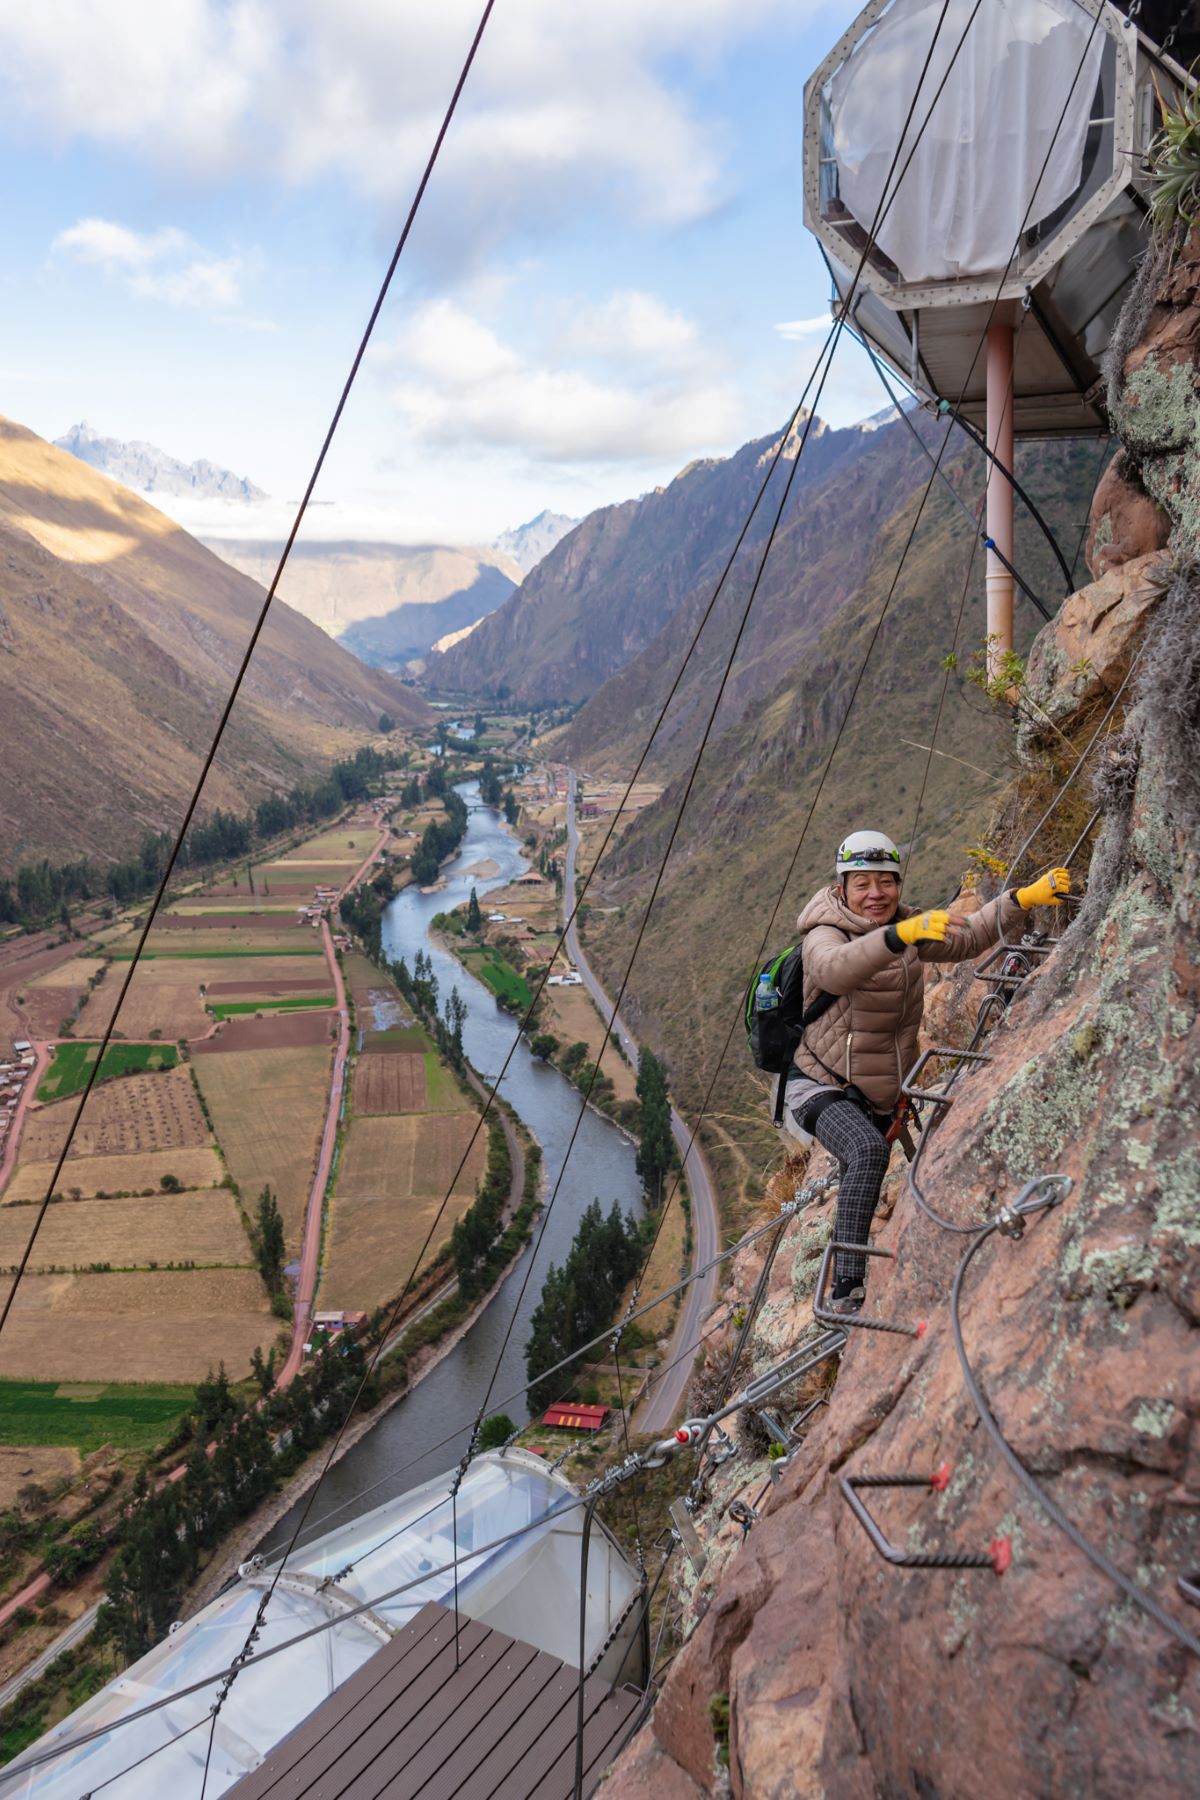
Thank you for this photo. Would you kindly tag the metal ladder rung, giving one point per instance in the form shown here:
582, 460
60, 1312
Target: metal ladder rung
855, 1321
997, 1557
939, 1096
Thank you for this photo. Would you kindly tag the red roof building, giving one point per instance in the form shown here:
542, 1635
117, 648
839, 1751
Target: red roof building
570, 1417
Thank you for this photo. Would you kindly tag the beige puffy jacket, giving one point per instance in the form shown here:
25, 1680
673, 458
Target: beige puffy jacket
869, 1034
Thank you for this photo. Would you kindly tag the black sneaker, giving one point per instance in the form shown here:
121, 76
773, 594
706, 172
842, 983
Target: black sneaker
850, 1302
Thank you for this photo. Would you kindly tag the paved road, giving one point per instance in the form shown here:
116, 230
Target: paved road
74, 1633
665, 1399
8, 1162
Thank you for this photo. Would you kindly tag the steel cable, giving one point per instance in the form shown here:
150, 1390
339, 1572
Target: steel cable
1029, 1481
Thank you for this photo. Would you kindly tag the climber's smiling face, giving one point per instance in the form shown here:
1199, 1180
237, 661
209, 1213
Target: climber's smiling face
873, 895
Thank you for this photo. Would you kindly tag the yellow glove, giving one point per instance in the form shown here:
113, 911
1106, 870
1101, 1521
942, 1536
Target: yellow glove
1046, 890
924, 928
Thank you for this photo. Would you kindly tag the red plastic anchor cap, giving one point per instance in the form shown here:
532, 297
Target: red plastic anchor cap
1001, 1549
683, 1435
940, 1479
922, 1327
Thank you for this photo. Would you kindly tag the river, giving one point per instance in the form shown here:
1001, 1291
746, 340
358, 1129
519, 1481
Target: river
400, 1452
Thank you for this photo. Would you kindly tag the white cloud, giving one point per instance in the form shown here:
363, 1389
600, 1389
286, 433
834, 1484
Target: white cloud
461, 384
793, 330
632, 324
159, 265
563, 102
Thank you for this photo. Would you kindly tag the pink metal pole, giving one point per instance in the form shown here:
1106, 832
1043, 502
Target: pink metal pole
999, 582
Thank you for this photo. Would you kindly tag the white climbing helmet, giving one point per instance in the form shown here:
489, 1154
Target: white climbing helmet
870, 851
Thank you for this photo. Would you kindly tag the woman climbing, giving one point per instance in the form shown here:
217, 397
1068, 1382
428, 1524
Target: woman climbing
866, 948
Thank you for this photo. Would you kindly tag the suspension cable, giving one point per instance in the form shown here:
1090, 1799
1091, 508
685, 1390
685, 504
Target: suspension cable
884, 206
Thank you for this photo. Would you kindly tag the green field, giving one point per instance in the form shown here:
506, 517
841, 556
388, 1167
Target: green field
400, 1037
507, 983
441, 1085
72, 1065
86, 1416
232, 1009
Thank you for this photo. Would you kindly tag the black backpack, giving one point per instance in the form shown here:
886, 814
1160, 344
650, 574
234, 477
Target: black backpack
775, 1033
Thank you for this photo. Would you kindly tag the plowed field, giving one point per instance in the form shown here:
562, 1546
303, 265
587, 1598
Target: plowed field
268, 1111
286, 1031
390, 1084
200, 1228
160, 1326
94, 1175
139, 1112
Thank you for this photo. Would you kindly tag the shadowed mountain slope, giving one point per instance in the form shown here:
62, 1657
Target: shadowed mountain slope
119, 640
605, 591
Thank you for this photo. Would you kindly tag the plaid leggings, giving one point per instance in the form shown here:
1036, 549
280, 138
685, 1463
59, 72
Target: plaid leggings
863, 1154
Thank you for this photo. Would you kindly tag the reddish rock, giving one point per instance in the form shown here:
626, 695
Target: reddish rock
1087, 650
1124, 522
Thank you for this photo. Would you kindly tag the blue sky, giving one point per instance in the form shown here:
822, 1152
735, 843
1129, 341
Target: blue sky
201, 196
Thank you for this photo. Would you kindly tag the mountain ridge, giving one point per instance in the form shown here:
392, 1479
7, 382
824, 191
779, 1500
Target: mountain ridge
148, 469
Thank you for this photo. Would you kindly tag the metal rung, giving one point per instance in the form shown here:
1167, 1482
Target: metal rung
998, 1556
1189, 1586
1004, 949
940, 1096
855, 1321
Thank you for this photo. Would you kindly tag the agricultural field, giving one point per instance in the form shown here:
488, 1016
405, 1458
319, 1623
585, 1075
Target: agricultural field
299, 876
390, 1084
72, 1065
97, 1176
283, 1031
406, 1082
170, 1326
49, 999
268, 1110
205, 1228
232, 1009
393, 1178
345, 844
397, 1039
161, 1001
572, 1017
87, 1415
488, 966
271, 938
142, 1112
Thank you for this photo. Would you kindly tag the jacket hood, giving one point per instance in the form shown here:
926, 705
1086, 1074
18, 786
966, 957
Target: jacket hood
828, 908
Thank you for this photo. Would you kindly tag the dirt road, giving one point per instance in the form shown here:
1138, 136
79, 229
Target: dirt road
666, 1396
310, 1246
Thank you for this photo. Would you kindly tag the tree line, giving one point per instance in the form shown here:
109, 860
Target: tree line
579, 1299
165, 1531
41, 891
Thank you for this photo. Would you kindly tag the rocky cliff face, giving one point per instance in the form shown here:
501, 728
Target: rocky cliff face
840, 1674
